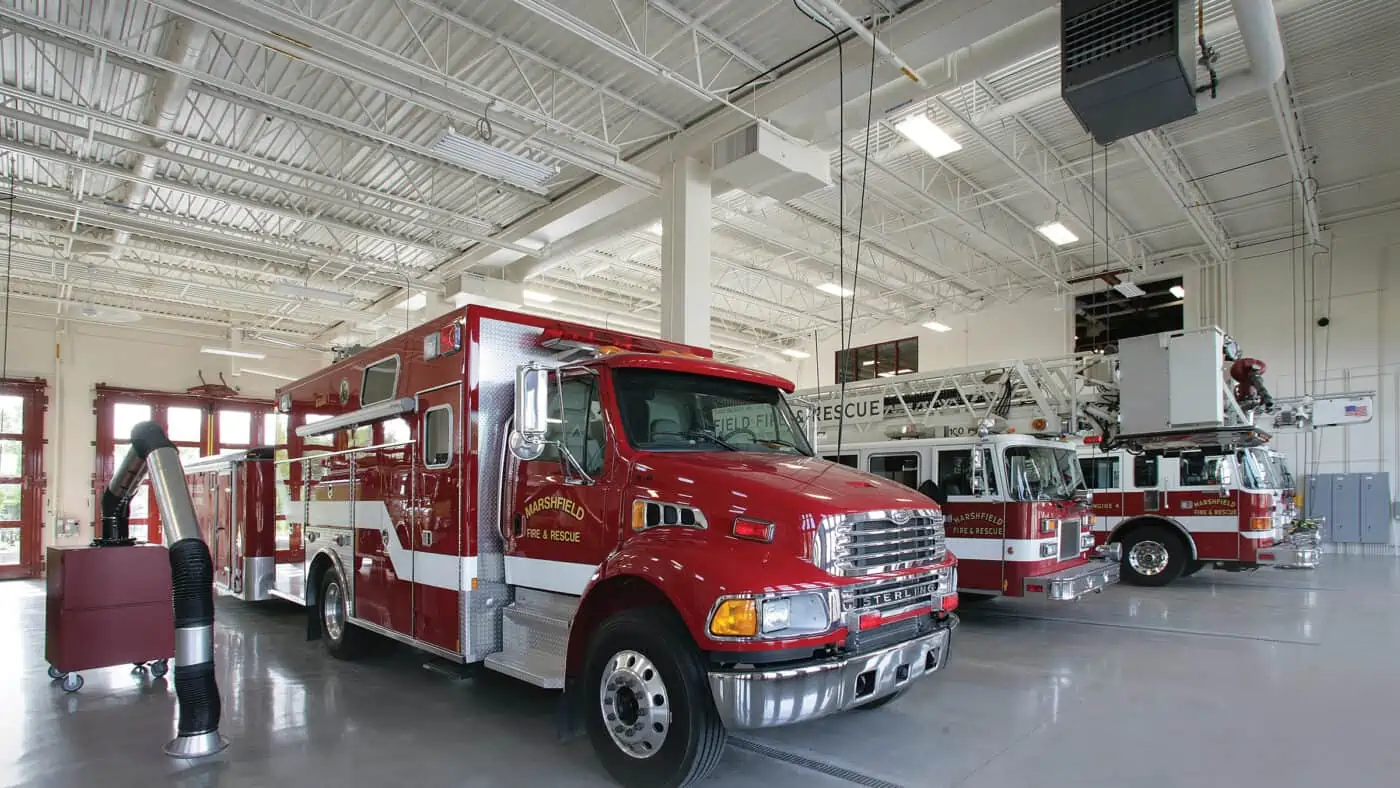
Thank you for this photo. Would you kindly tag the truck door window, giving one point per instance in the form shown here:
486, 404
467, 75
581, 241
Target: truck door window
902, 468
1200, 470
955, 471
1145, 471
1101, 473
576, 421
437, 437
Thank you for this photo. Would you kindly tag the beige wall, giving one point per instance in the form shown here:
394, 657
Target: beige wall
75, 357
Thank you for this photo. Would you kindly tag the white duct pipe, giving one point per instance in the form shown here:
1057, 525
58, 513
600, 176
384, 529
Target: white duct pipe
185, 48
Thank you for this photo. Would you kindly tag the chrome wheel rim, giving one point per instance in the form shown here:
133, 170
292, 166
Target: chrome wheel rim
333, 612
635, 705
1148, 558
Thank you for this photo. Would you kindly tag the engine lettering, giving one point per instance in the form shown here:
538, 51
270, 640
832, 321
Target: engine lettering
554, 503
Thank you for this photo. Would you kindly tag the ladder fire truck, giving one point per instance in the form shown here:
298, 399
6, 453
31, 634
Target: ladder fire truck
621, 518
1183, 409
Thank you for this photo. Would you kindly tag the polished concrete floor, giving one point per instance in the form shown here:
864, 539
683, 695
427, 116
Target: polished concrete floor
1272, 679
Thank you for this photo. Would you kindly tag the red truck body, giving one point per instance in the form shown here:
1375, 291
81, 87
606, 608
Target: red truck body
428, 523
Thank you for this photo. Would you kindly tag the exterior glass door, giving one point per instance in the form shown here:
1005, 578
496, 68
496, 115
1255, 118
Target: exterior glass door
21, 478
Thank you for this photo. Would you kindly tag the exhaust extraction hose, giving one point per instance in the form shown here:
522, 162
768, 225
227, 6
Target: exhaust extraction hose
192, 586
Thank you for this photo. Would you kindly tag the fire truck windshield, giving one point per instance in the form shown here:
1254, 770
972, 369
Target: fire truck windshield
1042, 473
1258, 471
680, 411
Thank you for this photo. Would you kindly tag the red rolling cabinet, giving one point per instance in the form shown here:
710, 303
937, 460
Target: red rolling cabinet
108, 606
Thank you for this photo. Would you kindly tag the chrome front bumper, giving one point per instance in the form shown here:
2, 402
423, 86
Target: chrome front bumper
1295, 552
768, 698
1071, 584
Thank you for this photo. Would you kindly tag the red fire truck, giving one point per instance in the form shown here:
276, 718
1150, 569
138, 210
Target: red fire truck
1179, 474
1018, 518
622, 518
1175, 513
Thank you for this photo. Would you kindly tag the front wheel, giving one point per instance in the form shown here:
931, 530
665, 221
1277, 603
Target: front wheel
1153, 555
649, 715
1192, 567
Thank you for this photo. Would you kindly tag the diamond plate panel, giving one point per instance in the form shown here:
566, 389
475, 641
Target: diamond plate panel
503, 347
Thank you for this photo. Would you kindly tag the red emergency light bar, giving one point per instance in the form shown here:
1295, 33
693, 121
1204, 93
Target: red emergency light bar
1092, 439
597, 340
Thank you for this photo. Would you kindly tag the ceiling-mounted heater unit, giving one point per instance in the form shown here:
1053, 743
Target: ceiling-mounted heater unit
1127, 66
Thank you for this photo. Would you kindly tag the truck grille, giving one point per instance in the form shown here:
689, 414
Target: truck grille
1069, 539
887, 541
896, 595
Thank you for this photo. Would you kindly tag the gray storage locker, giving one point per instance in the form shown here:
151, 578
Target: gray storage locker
1375, 508
1346, 507
1317, 502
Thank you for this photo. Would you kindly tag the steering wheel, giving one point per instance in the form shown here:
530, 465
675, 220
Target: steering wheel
753, 437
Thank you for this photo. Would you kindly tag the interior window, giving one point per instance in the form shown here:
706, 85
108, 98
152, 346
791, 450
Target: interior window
325, 439
437, 437
849, 460
1101, 473
902, 468
380, 381
1145, 471
576, 421
396, 431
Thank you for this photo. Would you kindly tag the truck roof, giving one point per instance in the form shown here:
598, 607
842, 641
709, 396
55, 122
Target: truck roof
693, 365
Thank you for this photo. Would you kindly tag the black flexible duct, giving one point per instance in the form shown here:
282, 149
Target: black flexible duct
191, 579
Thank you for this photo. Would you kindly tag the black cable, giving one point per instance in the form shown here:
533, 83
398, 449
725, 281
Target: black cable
1236, 167
840, 204
864, 177
9, 267
1289, 184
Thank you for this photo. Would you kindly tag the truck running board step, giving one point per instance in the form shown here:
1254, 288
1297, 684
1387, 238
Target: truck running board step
535, 638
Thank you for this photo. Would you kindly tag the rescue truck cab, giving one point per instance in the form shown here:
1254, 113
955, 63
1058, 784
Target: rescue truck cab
621, 518
1018, 514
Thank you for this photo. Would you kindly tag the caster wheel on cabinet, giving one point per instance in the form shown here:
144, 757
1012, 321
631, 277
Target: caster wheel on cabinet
160, 667
72, 682
55, 673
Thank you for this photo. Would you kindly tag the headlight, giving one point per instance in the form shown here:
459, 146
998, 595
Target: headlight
785, 616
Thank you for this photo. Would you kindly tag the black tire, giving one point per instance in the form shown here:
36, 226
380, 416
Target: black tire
1153, 540
345, 641
885, 701
693, 743
1192, 567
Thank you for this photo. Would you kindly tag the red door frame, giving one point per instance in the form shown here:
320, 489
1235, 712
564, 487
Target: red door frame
31, 551
160, 402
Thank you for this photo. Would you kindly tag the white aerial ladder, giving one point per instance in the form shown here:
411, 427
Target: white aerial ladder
1171, 390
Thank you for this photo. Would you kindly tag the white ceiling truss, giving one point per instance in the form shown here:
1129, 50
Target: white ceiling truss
217, 163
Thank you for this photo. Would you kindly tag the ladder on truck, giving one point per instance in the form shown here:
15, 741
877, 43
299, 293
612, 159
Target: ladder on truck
1054, 394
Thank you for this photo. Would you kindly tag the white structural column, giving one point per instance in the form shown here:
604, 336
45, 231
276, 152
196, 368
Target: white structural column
685, 252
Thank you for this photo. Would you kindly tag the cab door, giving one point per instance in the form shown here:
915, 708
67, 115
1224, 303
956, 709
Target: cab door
563, 520
976, 515
437, 523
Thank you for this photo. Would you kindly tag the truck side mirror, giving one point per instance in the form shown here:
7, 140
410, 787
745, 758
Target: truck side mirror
527, 436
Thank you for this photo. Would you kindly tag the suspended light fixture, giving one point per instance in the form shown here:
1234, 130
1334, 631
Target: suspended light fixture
1178, 291
934, 325
922, 131
795, 353
1057, 233
493, 162
225, 351
831, 288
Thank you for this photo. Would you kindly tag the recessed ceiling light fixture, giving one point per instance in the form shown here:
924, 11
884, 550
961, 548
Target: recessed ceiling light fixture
493, 162
1057, 233
922, 131
831, 288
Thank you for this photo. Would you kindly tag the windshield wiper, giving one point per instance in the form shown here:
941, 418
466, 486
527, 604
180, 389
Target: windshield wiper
703, 435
